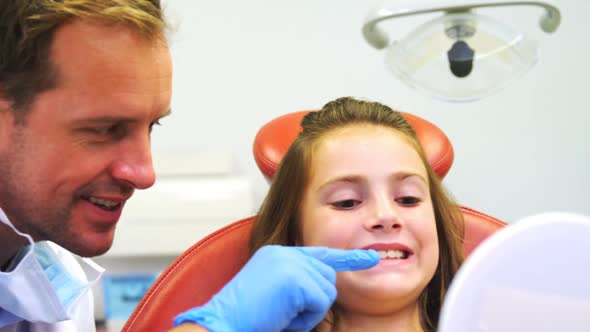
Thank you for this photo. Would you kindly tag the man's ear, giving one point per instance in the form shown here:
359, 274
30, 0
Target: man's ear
5, 103
6, 116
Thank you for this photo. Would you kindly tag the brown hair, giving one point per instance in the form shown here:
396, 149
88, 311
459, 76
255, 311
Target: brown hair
278, 219
26, 32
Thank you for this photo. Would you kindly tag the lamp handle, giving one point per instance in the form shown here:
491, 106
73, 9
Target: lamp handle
377, 38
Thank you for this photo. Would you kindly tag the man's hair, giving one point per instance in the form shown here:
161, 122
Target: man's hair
26, 33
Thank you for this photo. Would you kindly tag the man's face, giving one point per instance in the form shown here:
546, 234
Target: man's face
85, 145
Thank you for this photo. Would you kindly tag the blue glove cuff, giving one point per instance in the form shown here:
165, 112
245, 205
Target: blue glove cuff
203, 317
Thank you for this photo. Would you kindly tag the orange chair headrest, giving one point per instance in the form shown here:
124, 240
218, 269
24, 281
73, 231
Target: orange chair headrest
274, 139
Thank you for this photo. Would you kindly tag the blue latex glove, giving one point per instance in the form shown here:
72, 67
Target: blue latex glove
280, 289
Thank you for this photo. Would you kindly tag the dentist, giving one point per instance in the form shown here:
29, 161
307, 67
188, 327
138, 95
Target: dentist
82, 85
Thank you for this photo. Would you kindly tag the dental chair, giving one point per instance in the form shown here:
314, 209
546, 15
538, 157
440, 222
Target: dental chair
203, 269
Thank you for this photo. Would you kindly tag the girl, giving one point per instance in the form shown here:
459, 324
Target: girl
356, 177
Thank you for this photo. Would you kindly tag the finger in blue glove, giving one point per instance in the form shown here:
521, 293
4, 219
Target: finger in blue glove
280, 288
344, 260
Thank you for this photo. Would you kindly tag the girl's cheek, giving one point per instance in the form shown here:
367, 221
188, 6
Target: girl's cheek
338, 238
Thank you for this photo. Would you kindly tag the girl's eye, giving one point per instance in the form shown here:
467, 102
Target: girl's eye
408, 200
346, 204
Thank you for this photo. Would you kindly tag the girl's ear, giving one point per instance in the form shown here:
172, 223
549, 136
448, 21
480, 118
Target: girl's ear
299, 231
298, 241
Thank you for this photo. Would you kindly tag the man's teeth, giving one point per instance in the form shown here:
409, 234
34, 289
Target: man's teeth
103, 202
397, 254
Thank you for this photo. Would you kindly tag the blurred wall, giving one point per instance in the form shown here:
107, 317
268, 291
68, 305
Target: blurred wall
239, 64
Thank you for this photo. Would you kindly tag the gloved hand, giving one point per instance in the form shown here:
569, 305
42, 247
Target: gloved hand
279, 289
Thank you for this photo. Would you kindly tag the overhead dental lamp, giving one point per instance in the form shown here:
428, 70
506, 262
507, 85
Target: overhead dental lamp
460, 55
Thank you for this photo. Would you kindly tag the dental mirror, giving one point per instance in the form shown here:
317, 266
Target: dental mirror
529, 276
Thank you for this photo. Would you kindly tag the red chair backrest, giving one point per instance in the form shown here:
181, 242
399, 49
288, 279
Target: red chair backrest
275, 137
202, 270
193, 277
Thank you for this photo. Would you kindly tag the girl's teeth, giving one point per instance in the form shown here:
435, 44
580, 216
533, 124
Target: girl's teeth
392, 254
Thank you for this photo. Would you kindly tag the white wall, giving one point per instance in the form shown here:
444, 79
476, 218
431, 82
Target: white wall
239, 64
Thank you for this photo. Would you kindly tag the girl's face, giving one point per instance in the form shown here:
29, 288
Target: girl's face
369, 189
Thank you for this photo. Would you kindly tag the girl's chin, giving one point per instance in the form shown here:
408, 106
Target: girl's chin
377, 306
376, 291
378, 279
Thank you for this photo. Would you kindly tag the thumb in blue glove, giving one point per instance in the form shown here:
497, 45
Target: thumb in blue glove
280, 288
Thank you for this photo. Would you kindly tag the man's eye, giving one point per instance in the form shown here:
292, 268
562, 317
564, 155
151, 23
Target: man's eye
113, 131
408, 200
346, 204
155, 123
104, 130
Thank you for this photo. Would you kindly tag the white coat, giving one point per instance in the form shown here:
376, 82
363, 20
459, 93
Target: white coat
82, 315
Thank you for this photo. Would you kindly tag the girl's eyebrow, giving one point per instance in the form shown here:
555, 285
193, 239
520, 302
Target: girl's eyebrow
344, 178
406, 175
352, 178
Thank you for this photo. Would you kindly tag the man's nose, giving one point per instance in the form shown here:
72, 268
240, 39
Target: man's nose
133, 165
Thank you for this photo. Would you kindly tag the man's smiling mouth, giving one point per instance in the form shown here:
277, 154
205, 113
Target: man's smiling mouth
105, 204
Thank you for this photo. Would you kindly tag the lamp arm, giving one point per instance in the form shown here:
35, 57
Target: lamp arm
377, 38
